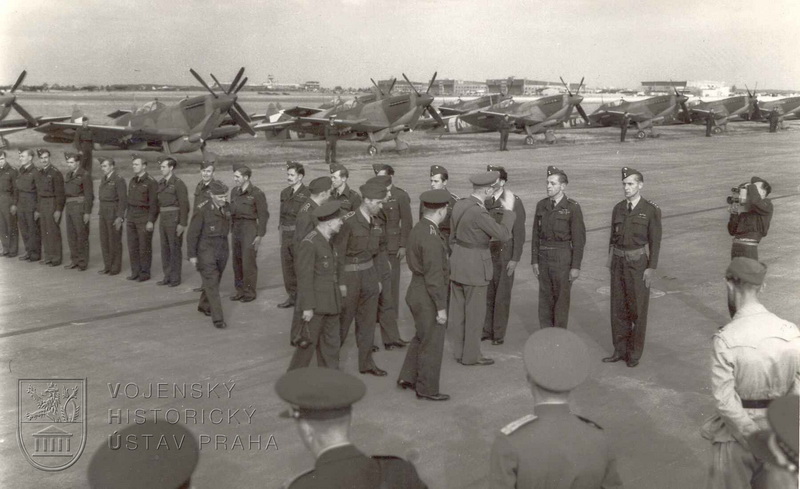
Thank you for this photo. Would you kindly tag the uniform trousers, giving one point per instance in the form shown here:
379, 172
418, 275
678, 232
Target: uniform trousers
467, 312
110, 238
287, 263
245, 268
423, 362
77, 234
745, 250
387, 303
28, 227
323, 336
629, 301
212, 256
361, 303
8, 226
50, 229
140, 246
86, 156
734, 467
171, 252
554, 287
498, 293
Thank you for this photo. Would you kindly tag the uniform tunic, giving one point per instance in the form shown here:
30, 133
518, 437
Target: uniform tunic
142, 209
498, 295
558, 240
471, 271
554, 449
25, 188
79, 193
291, 201
396, 214
113, 198
444, 226
348, 198
426, 255
173, 207
318, 290
8, 222
304, 224
747, 228
250, 215
84, 142
207, 240
201, 193
756, 357
631, 232
50, 199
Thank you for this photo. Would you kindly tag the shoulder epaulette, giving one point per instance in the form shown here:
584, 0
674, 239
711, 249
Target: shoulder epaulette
573, 201
305, 206
310, 236
288, 484
515, 425
589, 421
433, 229
202, 204
349, 215
651, 203
455, 196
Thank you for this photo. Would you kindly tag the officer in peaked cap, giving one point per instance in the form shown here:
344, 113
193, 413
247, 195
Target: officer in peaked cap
321, 402
553, 444
152, 455
778, 444
439, 178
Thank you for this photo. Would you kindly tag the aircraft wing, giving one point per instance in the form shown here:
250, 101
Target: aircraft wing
119, 113
524, 120
300, 111
11, 130
110, 133
274, 125
451, 111
360, 125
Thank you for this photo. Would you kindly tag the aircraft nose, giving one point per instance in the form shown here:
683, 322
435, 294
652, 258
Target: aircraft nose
424, 100
576, 99
223, 103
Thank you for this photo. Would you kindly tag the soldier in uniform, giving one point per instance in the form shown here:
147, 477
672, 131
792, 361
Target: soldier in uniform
141, 216
173, 207
749, 223
439, 178
348, 198
151, 454
331, 135
756, 359
250, 215
49, 206
319, 298
113, 199
84, 143
505, 257
292, 198
207, 247
558, 240
321, 402
396, 214
25, 208
357, 246
505, 129
427, 299
201, 192
709, 122
632, 257
471, 265
773, 120
8, 219
553, 447
79, 193
778, 445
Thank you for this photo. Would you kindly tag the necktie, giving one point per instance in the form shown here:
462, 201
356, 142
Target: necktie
630, 207
291, 192
553, 202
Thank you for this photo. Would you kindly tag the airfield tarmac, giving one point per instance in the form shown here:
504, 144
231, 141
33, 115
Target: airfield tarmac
57, 323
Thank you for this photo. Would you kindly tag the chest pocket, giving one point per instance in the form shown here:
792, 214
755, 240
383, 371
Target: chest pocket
392, 210
618, 223
639, 225
375, 235
324, 269
561, 225
360, 237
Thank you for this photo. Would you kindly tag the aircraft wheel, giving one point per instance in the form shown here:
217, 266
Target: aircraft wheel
716, 130
529, 140
641, 135
372, 150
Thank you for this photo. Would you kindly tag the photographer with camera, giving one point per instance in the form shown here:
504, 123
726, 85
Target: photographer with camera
751, 212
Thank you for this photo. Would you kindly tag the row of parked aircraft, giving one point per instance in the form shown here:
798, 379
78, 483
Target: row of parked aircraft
377, 117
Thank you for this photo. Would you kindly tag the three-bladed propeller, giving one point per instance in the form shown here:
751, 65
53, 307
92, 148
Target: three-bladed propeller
687, 116
10, 100
235, 111
577, 92
755, 114
428, 106
388, 92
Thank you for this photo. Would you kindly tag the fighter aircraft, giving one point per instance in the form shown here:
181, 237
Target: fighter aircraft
9, 101
180, 128
723, 110
642, 113
533, 117
787, 108
377, 120
463, 106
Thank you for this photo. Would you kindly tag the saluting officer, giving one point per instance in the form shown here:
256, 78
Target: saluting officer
8, 219
439, 178
319, 297
113, 199
553, 448
558, 240
633, 257
321, 401
141, 216
84, 143
173, 206
25, 187
505, 257
349, 198
250, 215
357, 246
292, 198
427, 298
207, 247
49, 206
79, 193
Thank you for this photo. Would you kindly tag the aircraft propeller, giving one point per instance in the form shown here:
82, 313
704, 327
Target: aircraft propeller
11, 101
577, 106
687, 116
756, 113
428, 106
235, 111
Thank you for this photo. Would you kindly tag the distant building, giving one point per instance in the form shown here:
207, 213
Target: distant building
401, 86
458, 87
522, 86
273, 84
699, 88
311, 86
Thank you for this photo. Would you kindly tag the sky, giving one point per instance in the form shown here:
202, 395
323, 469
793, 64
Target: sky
613, 43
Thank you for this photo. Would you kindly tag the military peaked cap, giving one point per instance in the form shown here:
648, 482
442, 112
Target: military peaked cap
435, 199
556, 359
319, 393
373, 191
327, 211
217, 188
484, 179
382, 180
320, 184
747, 270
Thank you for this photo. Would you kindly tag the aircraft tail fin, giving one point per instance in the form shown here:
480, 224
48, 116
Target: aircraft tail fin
271, 110
77, 115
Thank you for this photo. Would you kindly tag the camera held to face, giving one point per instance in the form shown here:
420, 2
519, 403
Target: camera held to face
738, 199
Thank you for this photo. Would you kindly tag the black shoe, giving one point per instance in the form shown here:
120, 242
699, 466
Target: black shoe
132, 277
25, 257
234, 297
199, 289
289, 302
433, 397
46, 262
55, 264
498, 342
162, 282
11, 255
220, 325
113, 273
485, 337
374, 371
247, 299
174, 284
205, 311
396, 345
375, 349
613, 358
70, 266
480, 361
82, 269
405, 384
102, 272
143, 278
632, 363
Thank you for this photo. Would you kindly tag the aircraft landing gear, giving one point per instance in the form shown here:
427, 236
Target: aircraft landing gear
372, 150
641, 134
529, 140
716, 130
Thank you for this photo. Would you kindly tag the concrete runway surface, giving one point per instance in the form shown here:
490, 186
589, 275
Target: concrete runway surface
57, 323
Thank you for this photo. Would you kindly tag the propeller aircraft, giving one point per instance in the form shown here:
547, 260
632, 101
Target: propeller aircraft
723, 110
463, 106
644, 114
787, 108
8, 101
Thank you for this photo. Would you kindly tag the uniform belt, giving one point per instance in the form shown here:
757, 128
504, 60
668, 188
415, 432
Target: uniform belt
169, 208
471, 246
552, 245
109, 201
47, 196
756, 404
290, 227
357, 267
746, 241
79, 198
236, 218
629, 254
